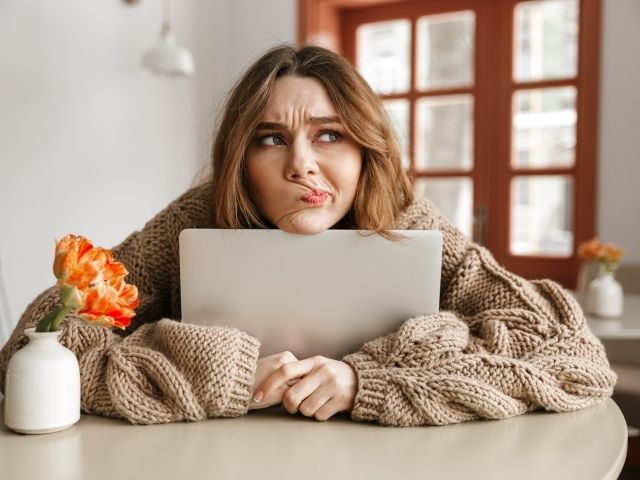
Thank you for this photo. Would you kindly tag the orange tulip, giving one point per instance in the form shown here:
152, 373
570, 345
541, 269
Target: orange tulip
608, 255
111, 304
590, 250
611, 253
79, 263
92, 283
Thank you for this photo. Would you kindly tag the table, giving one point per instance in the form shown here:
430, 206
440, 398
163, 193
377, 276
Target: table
626, 327
588, 444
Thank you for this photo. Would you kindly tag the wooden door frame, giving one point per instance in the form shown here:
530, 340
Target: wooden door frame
482, 89
319, 22
586, 150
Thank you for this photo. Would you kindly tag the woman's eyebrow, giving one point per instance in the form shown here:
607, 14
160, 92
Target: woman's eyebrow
311, 120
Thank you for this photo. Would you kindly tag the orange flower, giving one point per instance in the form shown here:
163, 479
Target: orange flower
101, 295
608, 255
590, 250
78, 263
611, 253
111, 304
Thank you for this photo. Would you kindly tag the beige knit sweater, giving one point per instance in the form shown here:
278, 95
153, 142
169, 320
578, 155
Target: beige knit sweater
500, 346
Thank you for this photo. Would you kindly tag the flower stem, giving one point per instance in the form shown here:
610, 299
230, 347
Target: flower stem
51, 321
55, 325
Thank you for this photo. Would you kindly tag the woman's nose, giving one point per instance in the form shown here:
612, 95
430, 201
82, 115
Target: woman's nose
301, 162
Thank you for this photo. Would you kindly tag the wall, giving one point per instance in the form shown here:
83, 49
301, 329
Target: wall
89, 143
619, 167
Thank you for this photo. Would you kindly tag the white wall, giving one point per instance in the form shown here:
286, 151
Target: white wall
619, 167
88, 143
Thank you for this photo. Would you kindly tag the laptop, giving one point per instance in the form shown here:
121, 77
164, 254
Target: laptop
325, 294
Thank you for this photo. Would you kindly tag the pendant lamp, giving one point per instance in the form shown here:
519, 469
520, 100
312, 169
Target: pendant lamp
168, 57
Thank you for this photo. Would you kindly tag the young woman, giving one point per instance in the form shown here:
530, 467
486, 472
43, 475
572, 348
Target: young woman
304, 146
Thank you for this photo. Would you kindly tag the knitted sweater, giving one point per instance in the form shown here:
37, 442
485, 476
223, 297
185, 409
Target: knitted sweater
500, 346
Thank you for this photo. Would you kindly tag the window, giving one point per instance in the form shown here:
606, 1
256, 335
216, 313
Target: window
495, 106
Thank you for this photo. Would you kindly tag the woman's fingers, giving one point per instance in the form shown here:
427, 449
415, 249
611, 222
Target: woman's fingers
283, 375
328, 410
297, 394
324, 387
314, 402
264, 368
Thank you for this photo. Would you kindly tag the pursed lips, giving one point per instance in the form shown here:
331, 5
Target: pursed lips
315, 196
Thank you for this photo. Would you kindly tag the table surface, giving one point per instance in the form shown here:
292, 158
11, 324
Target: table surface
588, 444
626, 326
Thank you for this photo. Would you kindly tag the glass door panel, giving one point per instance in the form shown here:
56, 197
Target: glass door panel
541, 215
453, 196
383, 55
398, 112
544, 128
446, 45
545, 40
444, 126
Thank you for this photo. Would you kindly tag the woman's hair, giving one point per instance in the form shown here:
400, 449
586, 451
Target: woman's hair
384, 189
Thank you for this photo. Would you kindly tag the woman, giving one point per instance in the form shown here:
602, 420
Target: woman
304, 146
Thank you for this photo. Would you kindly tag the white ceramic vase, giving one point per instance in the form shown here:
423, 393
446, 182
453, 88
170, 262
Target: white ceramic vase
605, 296
42, 386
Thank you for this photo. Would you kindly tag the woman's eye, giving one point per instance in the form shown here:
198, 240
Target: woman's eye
270, 140
329, 137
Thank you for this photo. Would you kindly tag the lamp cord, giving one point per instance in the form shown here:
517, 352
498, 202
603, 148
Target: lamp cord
166, 16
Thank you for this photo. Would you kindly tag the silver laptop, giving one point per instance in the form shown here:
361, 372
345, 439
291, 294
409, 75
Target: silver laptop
324, 294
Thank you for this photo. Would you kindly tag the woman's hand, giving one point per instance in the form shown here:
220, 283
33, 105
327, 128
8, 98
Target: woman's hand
266, 366
323, 387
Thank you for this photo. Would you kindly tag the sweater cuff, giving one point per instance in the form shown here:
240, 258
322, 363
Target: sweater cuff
373, 385
243, 376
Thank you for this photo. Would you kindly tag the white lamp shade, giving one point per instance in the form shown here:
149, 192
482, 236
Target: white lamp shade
168, 57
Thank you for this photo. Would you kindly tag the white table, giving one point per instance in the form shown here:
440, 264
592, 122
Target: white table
584, 445
626, 327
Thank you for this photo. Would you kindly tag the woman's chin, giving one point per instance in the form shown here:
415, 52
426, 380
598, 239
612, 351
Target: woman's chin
305, 225
304, 230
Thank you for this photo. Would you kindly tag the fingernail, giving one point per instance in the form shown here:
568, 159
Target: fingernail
258, 397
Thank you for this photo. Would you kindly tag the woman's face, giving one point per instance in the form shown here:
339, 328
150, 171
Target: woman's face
301, 167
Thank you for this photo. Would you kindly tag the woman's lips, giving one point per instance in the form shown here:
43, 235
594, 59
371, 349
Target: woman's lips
315, 197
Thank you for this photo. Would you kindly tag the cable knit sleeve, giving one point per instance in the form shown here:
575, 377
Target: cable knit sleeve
160, 370
500, 346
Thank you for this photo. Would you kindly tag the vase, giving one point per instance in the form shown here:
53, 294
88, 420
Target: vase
605, 296
42, 386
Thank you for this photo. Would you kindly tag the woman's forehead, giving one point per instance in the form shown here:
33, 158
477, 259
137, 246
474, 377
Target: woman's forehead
298, 96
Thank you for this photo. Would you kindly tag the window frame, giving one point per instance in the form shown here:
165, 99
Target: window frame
325, 22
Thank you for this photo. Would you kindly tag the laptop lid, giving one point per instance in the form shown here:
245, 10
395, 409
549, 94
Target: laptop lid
324, 294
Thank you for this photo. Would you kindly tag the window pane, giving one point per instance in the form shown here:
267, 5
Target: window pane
541, 215
398, 111
445, 50
546, 39
544, 128
453, 196
384, 55
445, 132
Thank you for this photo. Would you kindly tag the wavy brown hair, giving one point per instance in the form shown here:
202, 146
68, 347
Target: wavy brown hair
384, 189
